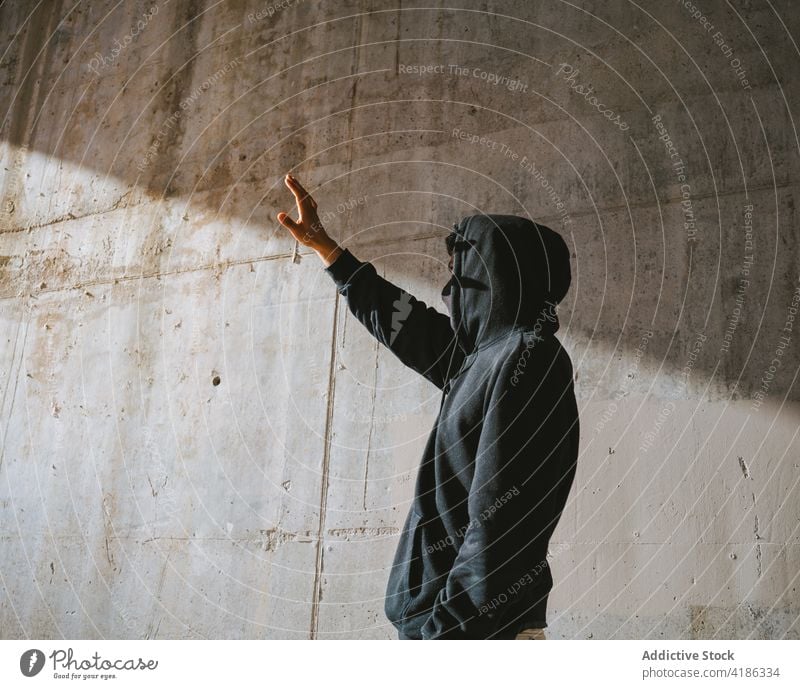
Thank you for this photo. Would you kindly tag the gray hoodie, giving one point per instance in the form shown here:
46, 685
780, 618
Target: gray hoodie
499, 462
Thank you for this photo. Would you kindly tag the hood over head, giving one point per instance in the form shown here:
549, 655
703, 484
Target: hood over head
508, 272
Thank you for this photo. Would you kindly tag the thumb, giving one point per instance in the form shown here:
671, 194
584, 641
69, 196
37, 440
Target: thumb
287, 222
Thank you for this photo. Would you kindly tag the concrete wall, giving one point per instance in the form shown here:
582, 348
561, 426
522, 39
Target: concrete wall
143, 146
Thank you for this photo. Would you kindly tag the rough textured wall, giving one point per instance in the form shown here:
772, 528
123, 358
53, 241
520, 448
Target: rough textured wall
198, 440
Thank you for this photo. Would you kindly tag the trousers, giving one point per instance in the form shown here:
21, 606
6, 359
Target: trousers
532, 633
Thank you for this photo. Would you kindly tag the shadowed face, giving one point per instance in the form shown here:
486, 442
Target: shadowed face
446, 294
446, 291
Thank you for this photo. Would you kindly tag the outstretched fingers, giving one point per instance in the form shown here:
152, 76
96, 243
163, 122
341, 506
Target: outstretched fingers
302, 197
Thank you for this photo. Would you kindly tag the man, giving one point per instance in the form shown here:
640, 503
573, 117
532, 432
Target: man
500, 460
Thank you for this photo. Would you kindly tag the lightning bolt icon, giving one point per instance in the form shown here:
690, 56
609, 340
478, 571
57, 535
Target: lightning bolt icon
32, 662
402, 307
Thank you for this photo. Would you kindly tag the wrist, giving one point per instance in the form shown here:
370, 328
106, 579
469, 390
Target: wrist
328, 251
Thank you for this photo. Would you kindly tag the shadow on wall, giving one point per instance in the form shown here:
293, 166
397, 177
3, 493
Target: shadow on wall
142, 143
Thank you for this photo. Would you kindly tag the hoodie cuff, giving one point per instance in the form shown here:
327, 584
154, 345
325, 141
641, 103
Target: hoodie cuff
342, 269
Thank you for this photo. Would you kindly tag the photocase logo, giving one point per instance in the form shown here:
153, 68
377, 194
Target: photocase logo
31, 662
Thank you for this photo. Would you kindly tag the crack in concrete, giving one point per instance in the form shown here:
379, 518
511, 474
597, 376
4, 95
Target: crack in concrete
325, 473
744, 468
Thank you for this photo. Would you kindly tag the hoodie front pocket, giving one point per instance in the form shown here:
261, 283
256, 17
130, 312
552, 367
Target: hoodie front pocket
404, 578
415, 563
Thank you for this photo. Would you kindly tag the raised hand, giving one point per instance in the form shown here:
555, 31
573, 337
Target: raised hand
308, 230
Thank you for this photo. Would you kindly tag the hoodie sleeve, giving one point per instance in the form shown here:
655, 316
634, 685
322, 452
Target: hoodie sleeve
417, 334
512, 506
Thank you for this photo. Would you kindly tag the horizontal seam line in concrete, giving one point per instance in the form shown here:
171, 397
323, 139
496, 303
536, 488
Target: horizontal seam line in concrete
391, 240
205, 267
312, 538
148, 276
69, 217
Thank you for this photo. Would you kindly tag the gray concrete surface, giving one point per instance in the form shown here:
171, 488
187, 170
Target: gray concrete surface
142, 147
